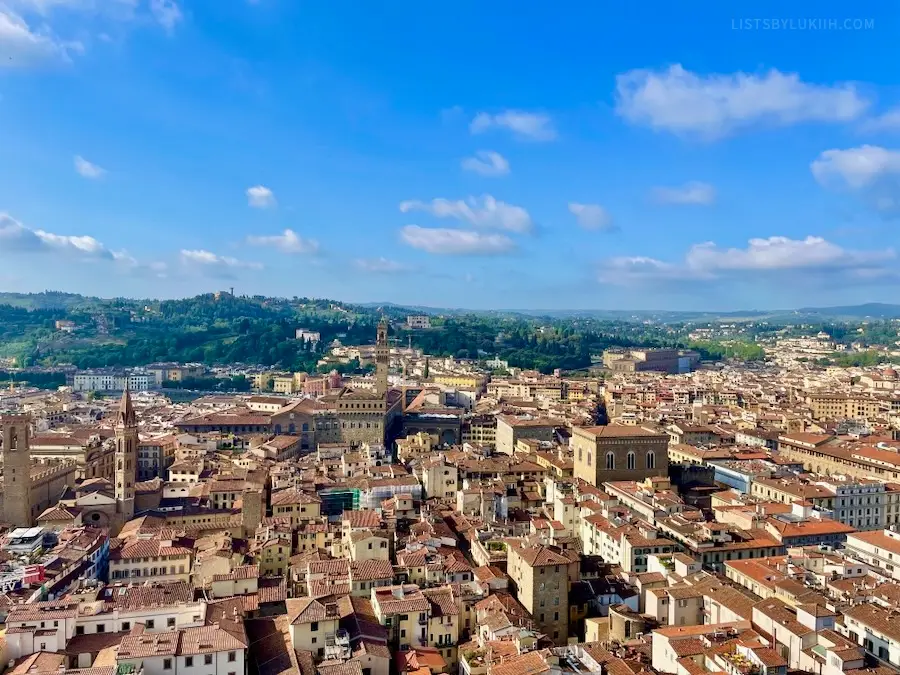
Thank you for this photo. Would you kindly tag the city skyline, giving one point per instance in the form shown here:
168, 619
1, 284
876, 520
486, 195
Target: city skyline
469, 156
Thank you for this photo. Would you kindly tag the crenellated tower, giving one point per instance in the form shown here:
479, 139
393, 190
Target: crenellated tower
16, 470
382, 358
126, 460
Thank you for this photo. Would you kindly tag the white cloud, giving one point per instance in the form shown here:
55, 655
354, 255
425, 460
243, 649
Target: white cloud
693, 192
286, 242
485, 212
88, 169
591, 216
167, 13
869, 172
856, 167
260, 197
16, 236
446, 241
487, 163
381, 266
761, 256
887, 121
22, 47
779, 253
214, 265
527, 125
682, 102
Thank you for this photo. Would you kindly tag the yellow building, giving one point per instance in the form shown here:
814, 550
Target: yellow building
283, 384
296, 505
461, 380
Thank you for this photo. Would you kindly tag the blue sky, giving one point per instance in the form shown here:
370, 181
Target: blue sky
716, 155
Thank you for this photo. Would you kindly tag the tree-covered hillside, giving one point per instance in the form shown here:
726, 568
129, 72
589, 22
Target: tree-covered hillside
223, 329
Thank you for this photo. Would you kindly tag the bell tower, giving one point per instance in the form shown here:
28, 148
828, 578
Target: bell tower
126, 459
382, 358
16, 470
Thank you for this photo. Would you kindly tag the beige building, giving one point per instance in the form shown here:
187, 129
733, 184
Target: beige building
540, 577
510, 429
150, 560
313, 625
619, 452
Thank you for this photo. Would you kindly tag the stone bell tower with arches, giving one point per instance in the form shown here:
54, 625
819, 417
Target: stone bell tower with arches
126, 461
16, 470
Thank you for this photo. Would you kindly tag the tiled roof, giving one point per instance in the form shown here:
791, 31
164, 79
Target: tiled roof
307, 610
158, 595
213, 638
540, 556
293, 496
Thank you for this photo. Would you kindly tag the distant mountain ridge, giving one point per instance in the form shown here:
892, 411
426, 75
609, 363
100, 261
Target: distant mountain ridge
871, 310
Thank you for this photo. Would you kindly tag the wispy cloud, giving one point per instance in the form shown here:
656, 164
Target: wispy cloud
14, 236
534, 126
487, 163
448, 241
88, 169
167, 13
870, 172
286, 242
484, 212
214, 265
711, 106
381, 266
260, 197
694, 192
592, 216
761, 256
24, 47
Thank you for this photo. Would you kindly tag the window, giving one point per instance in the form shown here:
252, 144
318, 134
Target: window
631, 461
314, 626
167, 664
150, 624
170, 622
232, 657
207, 659
101, 628
610, 461
189, 661
79, 630
126, 625
651, 459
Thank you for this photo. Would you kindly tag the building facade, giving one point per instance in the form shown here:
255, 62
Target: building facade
619, 452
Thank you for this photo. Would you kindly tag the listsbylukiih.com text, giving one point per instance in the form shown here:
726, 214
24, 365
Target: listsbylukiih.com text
802, 24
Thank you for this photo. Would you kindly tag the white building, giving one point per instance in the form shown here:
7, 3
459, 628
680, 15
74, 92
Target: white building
418, 321
858, 503
308, 335
110, 380
879, 549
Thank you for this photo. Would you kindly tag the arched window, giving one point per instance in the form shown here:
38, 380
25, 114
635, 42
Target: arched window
610, 461
589, 458
631, 461
651, 459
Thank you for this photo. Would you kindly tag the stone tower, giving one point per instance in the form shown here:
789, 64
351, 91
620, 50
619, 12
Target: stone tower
251, 511
126, 460
16, 470
382, 358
